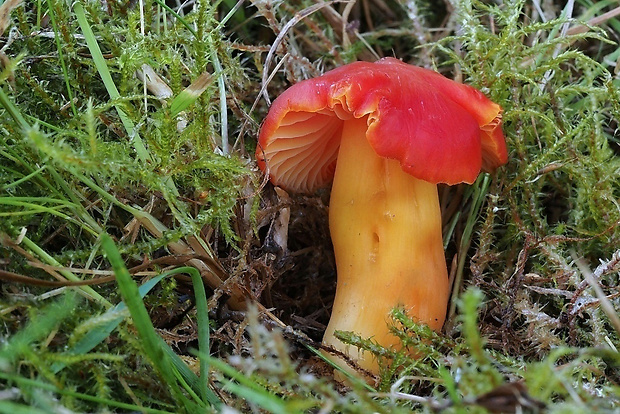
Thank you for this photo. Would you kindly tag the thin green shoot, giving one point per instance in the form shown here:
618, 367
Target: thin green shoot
61, 58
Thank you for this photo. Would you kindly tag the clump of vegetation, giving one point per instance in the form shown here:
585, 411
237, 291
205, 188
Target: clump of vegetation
134, 225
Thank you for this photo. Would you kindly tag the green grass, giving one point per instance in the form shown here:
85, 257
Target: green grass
155, 183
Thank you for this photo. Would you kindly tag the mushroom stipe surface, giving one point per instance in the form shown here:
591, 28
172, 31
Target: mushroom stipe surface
386, 133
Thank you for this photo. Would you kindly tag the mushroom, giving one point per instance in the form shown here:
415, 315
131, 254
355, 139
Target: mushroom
387, 133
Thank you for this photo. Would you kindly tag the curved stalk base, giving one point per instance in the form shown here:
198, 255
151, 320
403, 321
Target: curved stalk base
386, 231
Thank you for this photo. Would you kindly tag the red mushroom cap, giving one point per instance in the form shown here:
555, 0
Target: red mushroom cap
439, 130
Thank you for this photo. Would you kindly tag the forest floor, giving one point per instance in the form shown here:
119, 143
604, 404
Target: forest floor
146, 264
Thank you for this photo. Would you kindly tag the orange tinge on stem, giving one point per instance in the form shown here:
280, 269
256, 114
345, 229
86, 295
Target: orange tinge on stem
386, 231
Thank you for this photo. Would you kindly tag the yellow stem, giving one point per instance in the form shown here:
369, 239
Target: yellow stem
386, 231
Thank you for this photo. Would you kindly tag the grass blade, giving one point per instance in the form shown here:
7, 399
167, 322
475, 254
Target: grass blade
202, 313
61, 58
100, 333
158, 352
106, 77
189, 95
